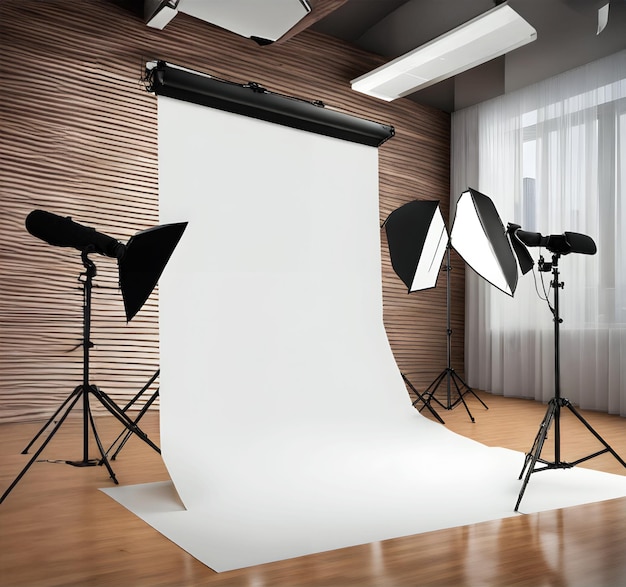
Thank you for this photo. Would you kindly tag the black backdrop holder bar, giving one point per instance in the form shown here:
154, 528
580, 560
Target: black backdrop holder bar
553, 412
83, 391
253, 100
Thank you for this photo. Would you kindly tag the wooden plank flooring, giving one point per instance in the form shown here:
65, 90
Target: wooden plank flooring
57, 529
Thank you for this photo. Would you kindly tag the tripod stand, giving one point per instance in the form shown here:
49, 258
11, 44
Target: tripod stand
553, 413
421, 398
83, 391
125, 434
449, 375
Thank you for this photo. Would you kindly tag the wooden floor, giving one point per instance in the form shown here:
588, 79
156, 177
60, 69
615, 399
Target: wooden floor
56, 528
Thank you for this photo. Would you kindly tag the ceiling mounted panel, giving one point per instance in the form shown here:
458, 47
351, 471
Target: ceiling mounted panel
269, 19
265, 21
486, 37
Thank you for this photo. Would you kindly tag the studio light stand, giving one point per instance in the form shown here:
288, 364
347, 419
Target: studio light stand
83, 392
141, 263
418, 241
553, 413
449, 375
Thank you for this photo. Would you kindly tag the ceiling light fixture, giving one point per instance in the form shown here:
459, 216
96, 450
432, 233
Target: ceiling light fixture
479, 40
159, 13
263, 22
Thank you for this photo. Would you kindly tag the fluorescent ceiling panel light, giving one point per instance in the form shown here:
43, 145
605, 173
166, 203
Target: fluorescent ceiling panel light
158, 13
267, 19
486, 37
603, 18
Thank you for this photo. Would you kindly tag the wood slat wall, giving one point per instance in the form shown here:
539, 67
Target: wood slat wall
79, 138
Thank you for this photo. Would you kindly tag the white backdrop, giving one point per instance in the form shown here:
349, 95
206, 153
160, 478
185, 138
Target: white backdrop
272, 337
285, 425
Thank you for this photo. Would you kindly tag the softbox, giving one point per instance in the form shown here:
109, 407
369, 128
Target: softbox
478, 235
417, 239
140, 262
146, 256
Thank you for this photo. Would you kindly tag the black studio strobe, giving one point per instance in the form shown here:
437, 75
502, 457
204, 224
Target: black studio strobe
557, 245
140, 262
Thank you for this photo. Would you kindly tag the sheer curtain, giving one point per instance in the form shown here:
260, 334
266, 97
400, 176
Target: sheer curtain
552, 157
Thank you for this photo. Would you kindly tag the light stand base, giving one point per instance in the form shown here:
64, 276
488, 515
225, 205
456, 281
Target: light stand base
125, 435
553, 414
420, 398
88, 463
449, 375
452, 379
84, 392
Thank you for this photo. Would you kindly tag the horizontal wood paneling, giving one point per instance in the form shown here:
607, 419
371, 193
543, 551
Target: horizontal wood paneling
79, 138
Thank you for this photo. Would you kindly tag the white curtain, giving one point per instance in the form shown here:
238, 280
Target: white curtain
552, 157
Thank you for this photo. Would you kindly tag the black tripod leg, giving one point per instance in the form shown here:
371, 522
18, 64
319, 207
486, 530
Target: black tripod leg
116, 411
453, 376
574, 411
420, 397
46, 441
535, 452
142, 390
544, 427
468, 389
103, 461
430, 391
52, 418
125, 435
